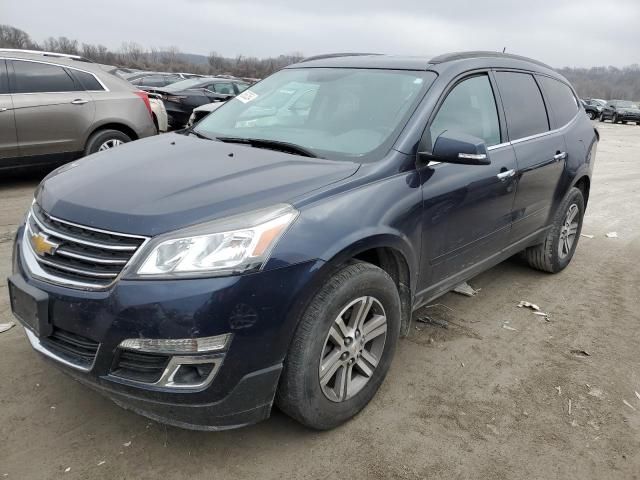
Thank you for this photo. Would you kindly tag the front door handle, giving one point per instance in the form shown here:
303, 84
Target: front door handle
560, 156
504, 175
79, 101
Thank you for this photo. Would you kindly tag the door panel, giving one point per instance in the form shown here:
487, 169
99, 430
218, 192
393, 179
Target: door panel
48, 122
466, 214
466, 208
540, 168
8, 137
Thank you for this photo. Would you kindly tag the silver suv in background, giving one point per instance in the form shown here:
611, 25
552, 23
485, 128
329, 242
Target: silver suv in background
55, 108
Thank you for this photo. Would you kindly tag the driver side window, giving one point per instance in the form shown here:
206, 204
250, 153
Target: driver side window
469, 108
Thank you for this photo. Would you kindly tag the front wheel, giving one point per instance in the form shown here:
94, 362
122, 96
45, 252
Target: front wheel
342, 348
592, 115
601, 117
559, 245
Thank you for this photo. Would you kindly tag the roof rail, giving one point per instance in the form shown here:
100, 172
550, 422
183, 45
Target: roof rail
336, 55
449, 57
46, 54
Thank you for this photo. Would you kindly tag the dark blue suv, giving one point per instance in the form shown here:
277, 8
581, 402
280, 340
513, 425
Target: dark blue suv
275, 252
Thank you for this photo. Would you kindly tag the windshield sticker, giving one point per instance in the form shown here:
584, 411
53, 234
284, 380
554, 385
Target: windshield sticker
247, 96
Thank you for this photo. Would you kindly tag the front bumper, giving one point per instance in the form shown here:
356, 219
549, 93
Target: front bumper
257, 309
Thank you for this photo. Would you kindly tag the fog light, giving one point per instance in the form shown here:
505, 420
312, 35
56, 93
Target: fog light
178, 346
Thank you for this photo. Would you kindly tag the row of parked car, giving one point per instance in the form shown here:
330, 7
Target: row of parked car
55, 108
618, 111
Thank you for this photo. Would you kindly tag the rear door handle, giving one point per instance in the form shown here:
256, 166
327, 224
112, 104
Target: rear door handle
504, 175
560, 156
79, 101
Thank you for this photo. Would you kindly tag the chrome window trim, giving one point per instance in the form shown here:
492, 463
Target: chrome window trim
37, 346
548, 132
106, 89
33, 266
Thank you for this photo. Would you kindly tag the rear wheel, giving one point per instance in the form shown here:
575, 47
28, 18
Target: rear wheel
342, 348
559, 245
105, 140
614, 119
601, 117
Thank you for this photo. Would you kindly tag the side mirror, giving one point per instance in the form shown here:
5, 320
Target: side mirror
454, 147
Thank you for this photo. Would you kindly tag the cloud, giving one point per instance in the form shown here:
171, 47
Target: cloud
569, 32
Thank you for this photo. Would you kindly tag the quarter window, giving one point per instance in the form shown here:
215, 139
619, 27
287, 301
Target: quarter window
523, 104
469, 108
87, 80
561, 100
4, 81
32, 77
223, 88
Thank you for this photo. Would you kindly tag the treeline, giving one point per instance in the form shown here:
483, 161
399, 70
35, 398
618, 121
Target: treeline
595, 82
133, 55
605, 82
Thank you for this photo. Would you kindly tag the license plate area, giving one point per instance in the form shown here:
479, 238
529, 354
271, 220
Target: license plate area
30, 306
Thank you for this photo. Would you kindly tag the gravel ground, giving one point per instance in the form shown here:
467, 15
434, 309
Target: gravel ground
474, 400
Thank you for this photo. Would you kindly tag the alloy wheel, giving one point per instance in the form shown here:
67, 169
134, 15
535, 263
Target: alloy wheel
568, 231
109, 144
353, 349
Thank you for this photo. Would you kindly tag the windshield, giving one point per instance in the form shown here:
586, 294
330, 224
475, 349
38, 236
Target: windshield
625, 104
186, 84
333, 112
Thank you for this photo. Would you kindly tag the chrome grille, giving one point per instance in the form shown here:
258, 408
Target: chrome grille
78, 253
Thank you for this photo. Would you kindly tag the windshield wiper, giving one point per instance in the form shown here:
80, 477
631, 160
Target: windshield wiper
270, 144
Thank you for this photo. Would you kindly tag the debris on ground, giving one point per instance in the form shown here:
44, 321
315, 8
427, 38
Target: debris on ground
569, 409
587, 236
6, 326
612, 235
628, 405
433, 321
595, 392
508, 327
101, 462
638, 395
127, 444
67, 470
525, 304
466, 290
580, 353
559, 389
543, 314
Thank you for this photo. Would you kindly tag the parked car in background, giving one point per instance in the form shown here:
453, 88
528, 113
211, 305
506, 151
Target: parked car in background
592, 107
620, 111
200, 276
55, 108
202, 111
182, 97
158, 111
154, 80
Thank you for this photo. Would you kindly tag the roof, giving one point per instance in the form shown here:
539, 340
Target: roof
372, 60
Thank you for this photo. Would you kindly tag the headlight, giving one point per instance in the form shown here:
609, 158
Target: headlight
222, 247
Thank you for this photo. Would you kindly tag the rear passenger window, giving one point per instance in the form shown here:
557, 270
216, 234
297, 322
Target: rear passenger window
469, 108
523, 104
32, 77
4, 80
561, 100
87, 80
223, 88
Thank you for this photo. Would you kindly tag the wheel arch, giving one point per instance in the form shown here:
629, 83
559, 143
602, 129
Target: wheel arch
121, 127
583, 183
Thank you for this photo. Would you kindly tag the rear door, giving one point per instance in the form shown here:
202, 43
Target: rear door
540, 151
8, 137
467, 208
52, 109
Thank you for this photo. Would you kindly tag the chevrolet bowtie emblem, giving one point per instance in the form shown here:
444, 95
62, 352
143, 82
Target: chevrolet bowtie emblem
42, 245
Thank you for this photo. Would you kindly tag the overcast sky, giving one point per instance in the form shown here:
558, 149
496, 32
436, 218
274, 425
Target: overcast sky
558, 32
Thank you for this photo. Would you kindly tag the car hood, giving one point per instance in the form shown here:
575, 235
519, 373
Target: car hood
160, 184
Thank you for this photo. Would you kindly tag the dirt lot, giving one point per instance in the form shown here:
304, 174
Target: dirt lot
475, 400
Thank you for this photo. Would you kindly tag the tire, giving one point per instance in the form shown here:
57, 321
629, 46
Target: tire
637, 123
101, 138
300, 393
614, 119
592, 115
601, 117
547, 255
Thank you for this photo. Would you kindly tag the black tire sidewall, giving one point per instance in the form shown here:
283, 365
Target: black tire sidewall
102, 136
574, 197
315, 409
